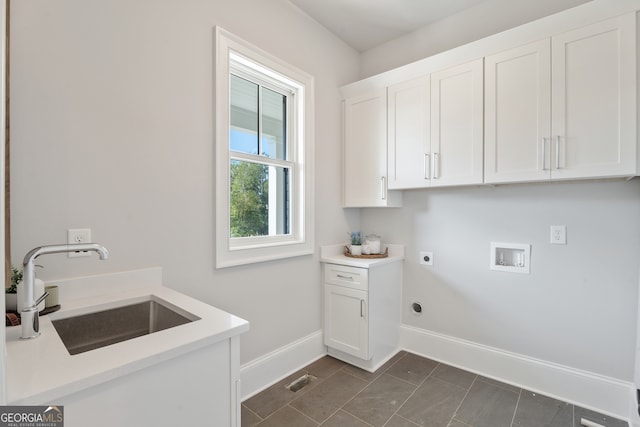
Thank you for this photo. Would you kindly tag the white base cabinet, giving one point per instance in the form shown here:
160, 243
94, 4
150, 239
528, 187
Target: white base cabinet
347, 325
362, 313
200, 388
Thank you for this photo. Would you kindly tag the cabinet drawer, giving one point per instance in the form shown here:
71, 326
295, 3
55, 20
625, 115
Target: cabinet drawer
342, 275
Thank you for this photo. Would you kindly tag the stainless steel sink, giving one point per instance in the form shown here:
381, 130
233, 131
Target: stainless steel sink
102, 328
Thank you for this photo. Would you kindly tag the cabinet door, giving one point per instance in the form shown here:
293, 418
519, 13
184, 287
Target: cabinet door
456, 125
518, 114
365, 151
346, 324
408, 157
593, 100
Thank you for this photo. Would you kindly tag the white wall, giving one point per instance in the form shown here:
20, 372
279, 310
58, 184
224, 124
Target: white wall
578, 306
488, 17
112, 129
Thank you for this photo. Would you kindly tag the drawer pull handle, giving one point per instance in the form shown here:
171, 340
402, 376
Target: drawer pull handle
345, 277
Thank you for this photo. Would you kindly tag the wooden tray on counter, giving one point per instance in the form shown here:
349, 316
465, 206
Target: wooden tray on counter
369, 256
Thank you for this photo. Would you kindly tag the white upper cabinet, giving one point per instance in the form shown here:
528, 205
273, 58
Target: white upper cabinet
593, 80
435, 129
457, 125
560, 108
365, 152
409, 148
564, 107
518, 114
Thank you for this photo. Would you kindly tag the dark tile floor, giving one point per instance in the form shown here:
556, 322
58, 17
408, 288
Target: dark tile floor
408, 391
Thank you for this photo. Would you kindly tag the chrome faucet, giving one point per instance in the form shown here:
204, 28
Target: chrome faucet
29, 318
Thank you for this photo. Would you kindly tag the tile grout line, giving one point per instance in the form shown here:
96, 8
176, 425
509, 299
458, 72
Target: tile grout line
405, 419
401, 405
411, 394
302, 413
515, 410
251, 410
421, 381
300, 396
347, 412
463, 399
377, 373
342, 370
460, 422
369, 383
289, 403
295, 395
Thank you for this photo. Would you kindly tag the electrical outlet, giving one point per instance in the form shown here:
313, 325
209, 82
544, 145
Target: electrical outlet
78, 235
426, 258
558, 235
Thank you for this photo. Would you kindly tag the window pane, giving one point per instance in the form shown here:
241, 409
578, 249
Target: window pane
260, 204
243, 135
273, 124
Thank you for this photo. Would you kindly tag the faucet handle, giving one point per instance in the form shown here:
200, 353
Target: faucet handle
32, 315
42, 298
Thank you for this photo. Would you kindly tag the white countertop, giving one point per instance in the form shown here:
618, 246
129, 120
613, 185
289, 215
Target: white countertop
41, 370
334, 254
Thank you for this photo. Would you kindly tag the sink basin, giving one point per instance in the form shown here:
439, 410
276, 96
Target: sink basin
102, 328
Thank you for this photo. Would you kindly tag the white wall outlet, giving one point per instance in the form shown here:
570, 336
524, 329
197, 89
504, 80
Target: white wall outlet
78, 235
426, 258
558, 235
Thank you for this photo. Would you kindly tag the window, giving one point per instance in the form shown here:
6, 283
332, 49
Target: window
260, 192
264, 174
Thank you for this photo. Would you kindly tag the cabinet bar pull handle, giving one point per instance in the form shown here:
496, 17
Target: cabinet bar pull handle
361, 308
436, 165
557, 151
345, 277
544, 153
427, 168
383, 188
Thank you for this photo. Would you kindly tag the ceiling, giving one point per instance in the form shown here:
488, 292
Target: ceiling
364, 24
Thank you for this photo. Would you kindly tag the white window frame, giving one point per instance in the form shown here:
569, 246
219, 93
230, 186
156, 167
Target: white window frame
233, 53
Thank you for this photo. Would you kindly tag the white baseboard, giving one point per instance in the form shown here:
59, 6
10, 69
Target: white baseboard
603, 394
261, 373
